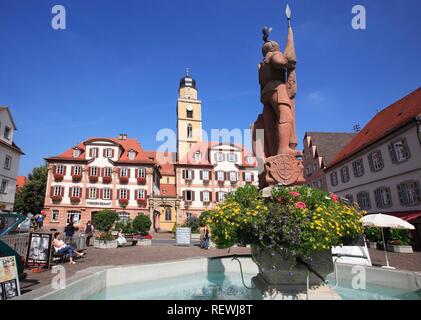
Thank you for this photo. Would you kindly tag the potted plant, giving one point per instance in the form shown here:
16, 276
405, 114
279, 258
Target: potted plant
142, 203
58, 177
124, 180
399, 241
141, 180
56, 198
76, 177
93, 179
373, 235
107, 179
289, 229
74, 199
103, 222
123, 202
141, 225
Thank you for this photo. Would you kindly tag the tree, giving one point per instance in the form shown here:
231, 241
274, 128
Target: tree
30, 199
103, 220
142, 224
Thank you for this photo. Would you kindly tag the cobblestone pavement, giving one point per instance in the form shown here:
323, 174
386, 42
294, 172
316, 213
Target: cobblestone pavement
402, 261
138, 255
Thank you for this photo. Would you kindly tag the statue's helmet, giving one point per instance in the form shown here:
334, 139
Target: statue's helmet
270, 46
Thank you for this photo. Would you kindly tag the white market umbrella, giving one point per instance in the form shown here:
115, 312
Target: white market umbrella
386, 221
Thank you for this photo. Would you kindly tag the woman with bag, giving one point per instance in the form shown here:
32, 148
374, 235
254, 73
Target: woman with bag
89, 232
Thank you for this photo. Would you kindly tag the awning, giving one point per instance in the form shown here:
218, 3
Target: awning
406, 215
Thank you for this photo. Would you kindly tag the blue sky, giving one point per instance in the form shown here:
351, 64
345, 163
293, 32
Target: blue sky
117, 66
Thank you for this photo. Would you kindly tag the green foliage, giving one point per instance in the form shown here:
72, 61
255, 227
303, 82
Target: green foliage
193, 223
126, 227
373, 234
142, 224
105, 236
30, 199
103, 220
400, 237
294, 221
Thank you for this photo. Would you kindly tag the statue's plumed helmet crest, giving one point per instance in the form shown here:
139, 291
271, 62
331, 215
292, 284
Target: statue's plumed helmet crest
269, 45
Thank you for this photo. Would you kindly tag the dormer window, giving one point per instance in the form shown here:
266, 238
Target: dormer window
7, 133
108, 153
132, 155
220, 157
93, 152
232, 157
76, 153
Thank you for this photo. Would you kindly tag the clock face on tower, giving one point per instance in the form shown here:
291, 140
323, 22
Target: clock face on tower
189, 108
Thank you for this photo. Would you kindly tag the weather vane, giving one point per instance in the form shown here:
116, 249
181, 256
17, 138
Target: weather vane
187, 71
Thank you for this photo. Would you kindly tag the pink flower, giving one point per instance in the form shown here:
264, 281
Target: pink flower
300, 205
295, 194
334, 197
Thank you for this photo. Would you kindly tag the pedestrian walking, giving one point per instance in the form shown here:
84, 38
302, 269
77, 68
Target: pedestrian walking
89, 232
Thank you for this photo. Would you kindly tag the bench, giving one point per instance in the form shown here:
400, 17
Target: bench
132, 239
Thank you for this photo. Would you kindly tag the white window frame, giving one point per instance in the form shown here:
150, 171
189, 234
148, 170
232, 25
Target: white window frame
8, 162
124, 172
197, 156
75, 214
93, 193
220, 174
76, 153
94, 152
221, 196
108, 153
57, 191
106, 193
189, 174
55, 216
233, 176
399, 147
108, 172
232, 157
248, 176
121, 192
60, 169
377, 159
141, 194
220, 157
334, 179
206, 196
132, 155
76, 192
92, 170
142, 173
189, 192
4, 186
77, 170
205, 175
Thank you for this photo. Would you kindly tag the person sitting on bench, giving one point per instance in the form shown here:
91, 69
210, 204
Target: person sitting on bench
62, 248
121, 240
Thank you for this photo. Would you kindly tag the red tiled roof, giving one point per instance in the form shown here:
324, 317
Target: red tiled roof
166, 161
386, 121
125, 145
21, 181
168, 190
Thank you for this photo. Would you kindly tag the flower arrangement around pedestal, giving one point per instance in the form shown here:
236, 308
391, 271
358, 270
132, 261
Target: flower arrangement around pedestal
292, 222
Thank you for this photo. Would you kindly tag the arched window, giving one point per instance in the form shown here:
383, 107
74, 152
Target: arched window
168, 214
189, 131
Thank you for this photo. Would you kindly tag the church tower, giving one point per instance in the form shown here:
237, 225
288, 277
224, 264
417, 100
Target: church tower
189, 116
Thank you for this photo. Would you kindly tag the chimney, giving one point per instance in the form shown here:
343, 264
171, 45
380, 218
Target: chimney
122, 136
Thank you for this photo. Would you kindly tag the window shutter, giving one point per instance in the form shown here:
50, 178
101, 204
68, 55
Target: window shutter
128, 172
112, 153
99, 193
406, 151
62, 191
111, 194
70, 192
418, 191
104, 152
54, 169
51, 191
392, 153
128, 194
137, 173
201, 196
378, 199
354, 168
201, 175
146, 194
90, 152
370, 162
72, 170
183, 174
192, 195
210, 196
87, 193
118, 194
64, 170
400, 193
192, 174
184, 195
